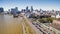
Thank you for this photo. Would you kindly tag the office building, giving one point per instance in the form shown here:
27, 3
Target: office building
27, 9
31, 8
1, 10
14, 10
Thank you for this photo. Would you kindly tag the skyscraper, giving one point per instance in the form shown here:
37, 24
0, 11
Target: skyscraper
16, 9
27, 9
31, 8
1, 10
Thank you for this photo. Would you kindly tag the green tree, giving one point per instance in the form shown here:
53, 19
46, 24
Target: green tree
50, 20
46, 20
41, 20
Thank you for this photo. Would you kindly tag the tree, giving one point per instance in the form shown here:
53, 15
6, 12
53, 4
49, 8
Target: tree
50, 20
46, 20
41, 20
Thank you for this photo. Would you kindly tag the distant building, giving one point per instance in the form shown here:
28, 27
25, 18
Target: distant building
40, 10
14, 10
56, 16
23, 11
36, 12
31, 8
32, 15
27, 9
1, 10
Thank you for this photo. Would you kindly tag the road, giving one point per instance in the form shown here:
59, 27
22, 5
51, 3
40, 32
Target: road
42, 27
38, 27
32, 26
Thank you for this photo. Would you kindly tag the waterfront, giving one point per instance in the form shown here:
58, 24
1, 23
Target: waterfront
22, 25
10, 25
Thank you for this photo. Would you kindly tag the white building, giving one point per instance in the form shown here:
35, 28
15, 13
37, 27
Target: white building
56, 16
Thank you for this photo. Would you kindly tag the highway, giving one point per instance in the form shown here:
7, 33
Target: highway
42, 28
32, 26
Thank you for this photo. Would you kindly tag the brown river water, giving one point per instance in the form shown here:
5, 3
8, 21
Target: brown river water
10, 25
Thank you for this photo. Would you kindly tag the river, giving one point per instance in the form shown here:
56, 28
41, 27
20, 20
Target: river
10, 25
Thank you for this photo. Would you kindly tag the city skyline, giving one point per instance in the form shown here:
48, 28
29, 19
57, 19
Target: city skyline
37, 4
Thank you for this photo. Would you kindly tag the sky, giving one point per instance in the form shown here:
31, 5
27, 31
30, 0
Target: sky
37, 4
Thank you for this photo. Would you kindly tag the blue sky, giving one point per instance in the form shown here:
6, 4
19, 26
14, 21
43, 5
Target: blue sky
37, 4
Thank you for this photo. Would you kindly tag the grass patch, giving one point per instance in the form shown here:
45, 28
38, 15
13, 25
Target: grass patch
28, 28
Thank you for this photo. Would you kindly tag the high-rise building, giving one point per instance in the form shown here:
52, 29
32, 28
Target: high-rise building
31, 8
14, 10
27, 9
1, 10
